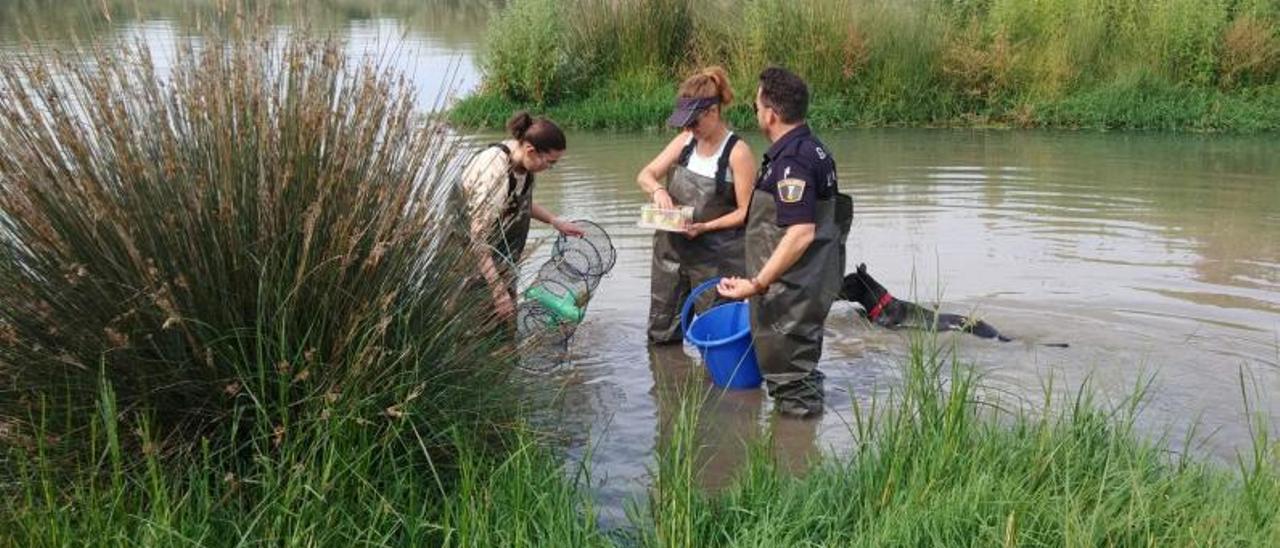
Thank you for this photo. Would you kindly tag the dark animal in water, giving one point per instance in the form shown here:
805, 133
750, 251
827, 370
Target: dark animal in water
885, 310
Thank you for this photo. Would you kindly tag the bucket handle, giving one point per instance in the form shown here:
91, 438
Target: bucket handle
685, 320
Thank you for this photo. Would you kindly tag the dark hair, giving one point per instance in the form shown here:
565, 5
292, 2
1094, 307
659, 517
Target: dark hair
540, 132
785, 93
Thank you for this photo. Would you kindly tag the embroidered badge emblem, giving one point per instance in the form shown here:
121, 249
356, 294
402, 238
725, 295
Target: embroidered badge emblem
790, 190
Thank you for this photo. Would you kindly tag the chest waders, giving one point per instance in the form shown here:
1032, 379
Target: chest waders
512, 231
679, 263
787, 321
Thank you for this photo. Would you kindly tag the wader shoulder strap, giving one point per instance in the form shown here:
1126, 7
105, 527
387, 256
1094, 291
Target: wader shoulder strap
511, 177
722, 165
844, 215
844, 206
687, 151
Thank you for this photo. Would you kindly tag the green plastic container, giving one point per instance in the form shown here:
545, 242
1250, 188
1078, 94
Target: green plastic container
563, 307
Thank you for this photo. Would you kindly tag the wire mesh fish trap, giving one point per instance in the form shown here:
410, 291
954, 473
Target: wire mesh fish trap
556, 300
590, 256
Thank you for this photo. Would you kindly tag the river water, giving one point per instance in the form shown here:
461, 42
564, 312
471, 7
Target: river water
1149, 254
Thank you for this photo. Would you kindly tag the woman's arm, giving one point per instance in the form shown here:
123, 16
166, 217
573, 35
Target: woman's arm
651, 176
481, 229
562, 226
483, 181
744, 180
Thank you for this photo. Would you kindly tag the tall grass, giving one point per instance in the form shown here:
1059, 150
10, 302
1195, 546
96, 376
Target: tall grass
947, 462
264, 230
943, 462
883, 62
333, 480
546, 51
238, 310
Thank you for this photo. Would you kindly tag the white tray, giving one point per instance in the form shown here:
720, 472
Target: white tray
669, 220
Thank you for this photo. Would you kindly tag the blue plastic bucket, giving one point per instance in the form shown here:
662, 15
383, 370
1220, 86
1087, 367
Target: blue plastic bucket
723, 337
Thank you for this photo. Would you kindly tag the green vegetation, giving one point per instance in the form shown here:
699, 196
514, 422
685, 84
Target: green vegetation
235, 292
332, 479
945, 462
940, 463
236, 311
1171, 64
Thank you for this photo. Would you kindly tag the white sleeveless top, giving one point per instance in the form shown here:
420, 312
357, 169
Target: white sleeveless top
706, 165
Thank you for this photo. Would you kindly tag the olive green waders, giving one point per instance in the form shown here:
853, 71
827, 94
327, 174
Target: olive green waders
512, 231
787, 320
681, 263
506, 241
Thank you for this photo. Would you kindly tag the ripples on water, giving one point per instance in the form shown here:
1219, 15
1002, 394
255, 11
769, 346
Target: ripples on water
435, 53
1147, 253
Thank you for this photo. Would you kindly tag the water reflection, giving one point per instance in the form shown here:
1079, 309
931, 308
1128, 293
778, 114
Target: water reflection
432, 42
457, 23
1149, 254
730, 422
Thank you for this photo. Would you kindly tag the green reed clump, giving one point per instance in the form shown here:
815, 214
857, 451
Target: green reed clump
334, 479
645, 36
262, 224
543, 52
919, 62
524, 56
944, 462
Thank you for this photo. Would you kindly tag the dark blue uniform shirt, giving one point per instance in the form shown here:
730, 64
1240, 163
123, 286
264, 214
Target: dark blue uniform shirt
798, 171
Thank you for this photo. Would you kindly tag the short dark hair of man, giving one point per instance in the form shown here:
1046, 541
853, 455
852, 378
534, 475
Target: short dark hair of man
785, 93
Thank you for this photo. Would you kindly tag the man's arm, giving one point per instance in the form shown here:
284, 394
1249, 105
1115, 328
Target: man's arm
796, 199
795, 241
792, 246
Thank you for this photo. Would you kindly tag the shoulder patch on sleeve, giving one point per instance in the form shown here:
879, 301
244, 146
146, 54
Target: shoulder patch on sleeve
790, 191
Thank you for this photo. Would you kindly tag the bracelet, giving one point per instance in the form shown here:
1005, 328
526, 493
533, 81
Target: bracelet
760, 288
655, 191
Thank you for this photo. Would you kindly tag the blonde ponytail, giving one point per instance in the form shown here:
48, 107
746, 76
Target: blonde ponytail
712, 82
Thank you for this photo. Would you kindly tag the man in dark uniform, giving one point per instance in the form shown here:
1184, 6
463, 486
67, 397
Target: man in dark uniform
796, 227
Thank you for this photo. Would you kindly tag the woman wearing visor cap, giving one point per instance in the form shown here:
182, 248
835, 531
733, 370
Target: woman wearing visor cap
710, 169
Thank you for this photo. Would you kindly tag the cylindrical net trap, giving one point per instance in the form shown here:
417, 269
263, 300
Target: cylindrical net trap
556, 300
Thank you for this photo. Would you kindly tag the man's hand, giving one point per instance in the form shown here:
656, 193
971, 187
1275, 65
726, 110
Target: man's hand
567, 228
738, 288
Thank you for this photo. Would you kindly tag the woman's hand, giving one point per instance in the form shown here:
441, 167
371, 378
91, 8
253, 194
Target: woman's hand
567, 228
503, 305
693, 230
662, 199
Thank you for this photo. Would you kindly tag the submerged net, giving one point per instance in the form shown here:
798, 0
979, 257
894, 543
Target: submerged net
556, 300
